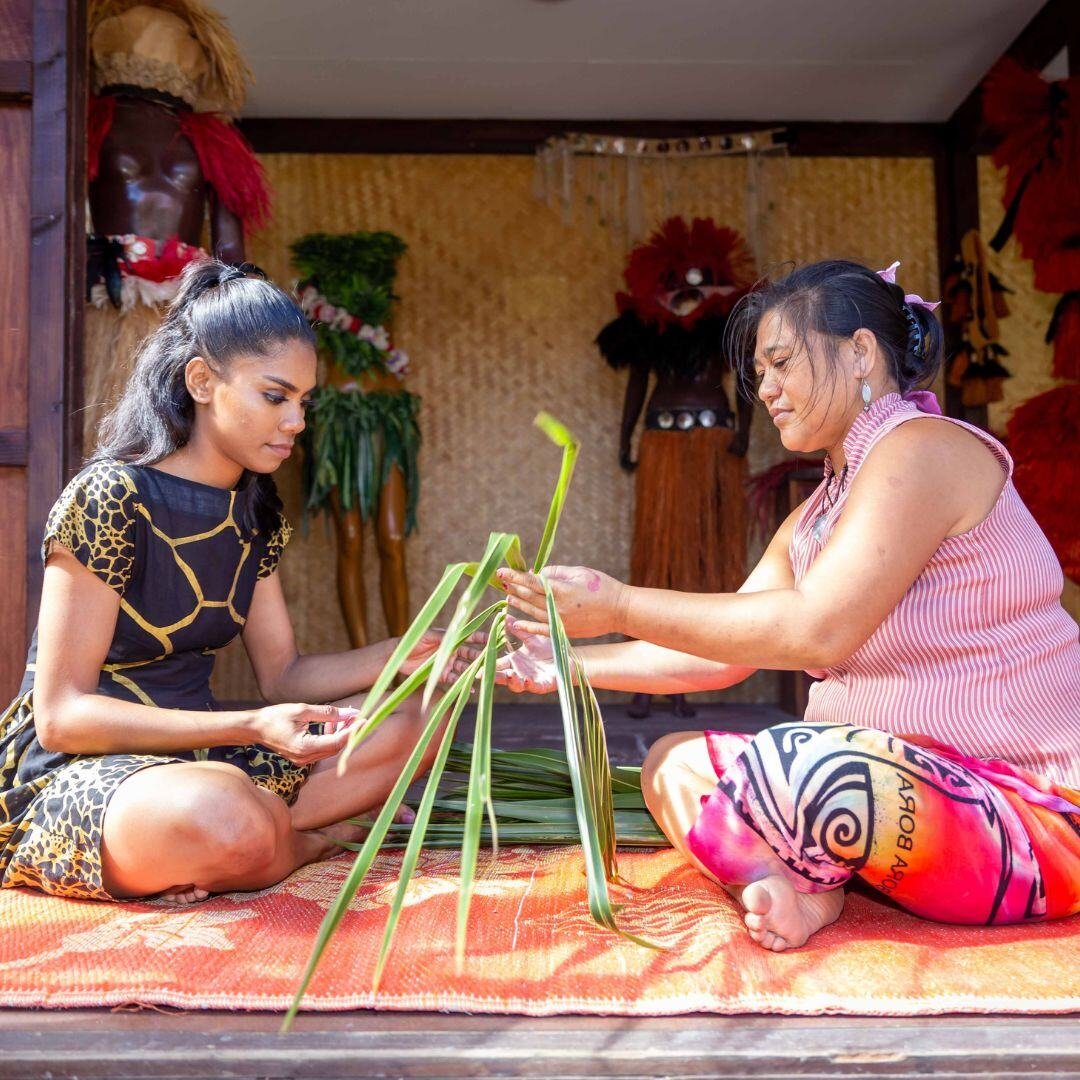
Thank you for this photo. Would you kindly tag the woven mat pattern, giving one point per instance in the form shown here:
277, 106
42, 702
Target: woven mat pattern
533, 950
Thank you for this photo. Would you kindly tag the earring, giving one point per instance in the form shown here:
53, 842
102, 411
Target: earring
865, 396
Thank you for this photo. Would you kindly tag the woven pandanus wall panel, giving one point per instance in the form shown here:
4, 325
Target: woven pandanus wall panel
500, 302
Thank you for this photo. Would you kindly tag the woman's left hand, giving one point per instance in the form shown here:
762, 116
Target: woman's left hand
429, 644
589, 602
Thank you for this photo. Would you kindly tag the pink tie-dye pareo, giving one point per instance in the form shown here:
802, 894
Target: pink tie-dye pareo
946, 836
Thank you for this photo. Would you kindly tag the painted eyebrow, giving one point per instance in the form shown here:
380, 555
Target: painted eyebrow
286, 385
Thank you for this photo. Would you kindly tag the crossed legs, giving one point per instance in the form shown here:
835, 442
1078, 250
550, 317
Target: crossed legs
677, 774
192, 828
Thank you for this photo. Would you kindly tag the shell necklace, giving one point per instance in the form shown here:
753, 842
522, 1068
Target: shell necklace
817, 530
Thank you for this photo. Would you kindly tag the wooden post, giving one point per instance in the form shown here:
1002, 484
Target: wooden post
57, 263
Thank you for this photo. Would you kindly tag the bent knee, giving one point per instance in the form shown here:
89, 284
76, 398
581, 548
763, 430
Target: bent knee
675, 762
228, 818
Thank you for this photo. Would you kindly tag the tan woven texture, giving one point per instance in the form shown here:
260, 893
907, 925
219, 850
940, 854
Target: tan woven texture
1023, 333
500, 302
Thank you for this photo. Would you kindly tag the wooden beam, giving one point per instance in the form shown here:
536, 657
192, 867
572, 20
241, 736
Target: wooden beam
55, 220
321, 135
16, 80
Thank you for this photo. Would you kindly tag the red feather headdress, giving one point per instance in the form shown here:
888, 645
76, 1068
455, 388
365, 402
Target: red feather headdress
679, 259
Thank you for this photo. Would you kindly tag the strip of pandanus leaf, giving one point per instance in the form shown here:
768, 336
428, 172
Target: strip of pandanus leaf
494, 554
598, 770
539, 809
370, 848
561, 436
460, 695
410, 686
634, 828
426, 616
588, 798
479, 795
528, 759
514, 559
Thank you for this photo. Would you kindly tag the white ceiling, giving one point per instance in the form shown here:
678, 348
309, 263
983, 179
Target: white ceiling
874, 60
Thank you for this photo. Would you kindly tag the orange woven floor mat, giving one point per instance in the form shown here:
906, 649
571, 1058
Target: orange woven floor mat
533, 949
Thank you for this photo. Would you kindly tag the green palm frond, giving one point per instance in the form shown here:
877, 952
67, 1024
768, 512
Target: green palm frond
536, 796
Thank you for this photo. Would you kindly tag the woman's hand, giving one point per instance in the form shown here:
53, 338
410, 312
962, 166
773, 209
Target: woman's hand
429, 644
287, 730
529, 669
589, 603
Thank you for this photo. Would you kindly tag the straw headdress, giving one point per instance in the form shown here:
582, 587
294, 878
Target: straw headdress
181, 47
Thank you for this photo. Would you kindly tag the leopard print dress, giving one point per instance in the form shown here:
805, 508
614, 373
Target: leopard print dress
185, 570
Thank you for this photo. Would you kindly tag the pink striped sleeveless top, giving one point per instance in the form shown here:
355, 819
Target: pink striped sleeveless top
979, 653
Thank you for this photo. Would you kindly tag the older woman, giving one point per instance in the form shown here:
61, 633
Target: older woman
934, 753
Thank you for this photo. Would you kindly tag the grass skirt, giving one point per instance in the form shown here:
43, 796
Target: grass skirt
690, 515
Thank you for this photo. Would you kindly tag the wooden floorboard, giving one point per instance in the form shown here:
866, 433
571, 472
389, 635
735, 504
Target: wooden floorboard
91, 1044
165, 1044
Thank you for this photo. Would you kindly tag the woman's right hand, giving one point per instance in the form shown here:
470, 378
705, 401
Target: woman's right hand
529, 669
287, 730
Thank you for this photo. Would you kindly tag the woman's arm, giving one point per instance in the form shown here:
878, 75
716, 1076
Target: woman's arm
75, 628
644, 667
283, 674
923, 482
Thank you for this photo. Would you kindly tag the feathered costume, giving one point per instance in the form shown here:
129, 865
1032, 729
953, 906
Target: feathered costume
689, 522
180, 52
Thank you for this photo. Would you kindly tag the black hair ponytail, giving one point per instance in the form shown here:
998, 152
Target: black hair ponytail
220, 312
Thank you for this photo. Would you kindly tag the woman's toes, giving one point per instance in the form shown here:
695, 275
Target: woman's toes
757, 899
184, 894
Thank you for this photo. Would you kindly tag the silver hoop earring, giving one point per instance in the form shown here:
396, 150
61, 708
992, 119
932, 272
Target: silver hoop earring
865, 396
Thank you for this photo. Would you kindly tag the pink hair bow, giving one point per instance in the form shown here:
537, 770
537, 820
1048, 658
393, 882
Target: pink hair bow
889, 275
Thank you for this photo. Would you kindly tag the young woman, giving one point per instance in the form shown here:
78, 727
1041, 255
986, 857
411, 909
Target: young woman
118, 775
933, 758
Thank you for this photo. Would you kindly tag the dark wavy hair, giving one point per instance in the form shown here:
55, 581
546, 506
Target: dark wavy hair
220, 312
833, 299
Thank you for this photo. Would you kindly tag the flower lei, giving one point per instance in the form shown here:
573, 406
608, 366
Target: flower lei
319, 309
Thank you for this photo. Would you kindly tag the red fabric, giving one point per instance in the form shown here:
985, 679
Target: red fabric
230, 167
1047, 475
166, 264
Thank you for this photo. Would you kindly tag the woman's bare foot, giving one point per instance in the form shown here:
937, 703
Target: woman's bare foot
780, 918
183, 894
